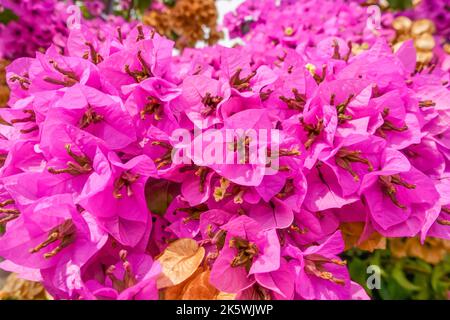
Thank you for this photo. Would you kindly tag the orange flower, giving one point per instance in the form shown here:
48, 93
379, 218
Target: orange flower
421, 32
351, 233
432, 251
4, 90
197, 287
19, 289
187, 22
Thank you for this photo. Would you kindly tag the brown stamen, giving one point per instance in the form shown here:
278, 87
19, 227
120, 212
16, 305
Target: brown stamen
141, 35
95, 56
8, 218
247, 251
10, 214
126, 180
288, 189
129, 278
154, 106
321, 78
194, 212
24, 82
344, 159
443, 222
140, 75
30, 118
90, 117
6, 203
388, 125
70, 78
202, 172
295, 228
241, 84
336, 53
388, 185
29, 130
342, 108
210, 102
265, 95
166, 158
65, 232
427, 104
297, 103
82, 164
119, 34
313, 130
314, 266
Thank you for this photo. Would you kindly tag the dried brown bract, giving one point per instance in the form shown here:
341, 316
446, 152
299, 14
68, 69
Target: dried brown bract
4, 90
19, 289
186, 22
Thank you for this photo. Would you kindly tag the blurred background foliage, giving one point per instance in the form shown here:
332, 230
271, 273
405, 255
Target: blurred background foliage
407, 272
400, 4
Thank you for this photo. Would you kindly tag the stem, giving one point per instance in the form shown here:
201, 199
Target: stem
129, 10
109, 7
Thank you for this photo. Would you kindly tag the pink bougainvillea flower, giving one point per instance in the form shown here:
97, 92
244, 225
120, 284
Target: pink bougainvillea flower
152, 102
203, 98
400, 198
322, 275
248, 250
128, 276
97, 113
114, 194
34, 241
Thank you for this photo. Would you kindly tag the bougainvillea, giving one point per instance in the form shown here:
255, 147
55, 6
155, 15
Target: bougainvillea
132, 173
35, 25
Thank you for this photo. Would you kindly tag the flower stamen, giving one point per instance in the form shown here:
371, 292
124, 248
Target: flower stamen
297, 103
241, 84
125, 180
65, 232
344, 159
82, 164
247, 251
210, 102
388, 186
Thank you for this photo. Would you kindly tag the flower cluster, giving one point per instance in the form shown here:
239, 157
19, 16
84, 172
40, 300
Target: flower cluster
106, 194
281, 23
41, 23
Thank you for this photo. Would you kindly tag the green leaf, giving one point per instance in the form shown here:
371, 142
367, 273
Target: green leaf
142, 5
417, 266
158, 196
169, 3
357, 269
391, 290
7, 15
400, 4
399, 276
440, 281
85, 12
